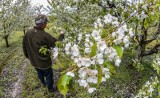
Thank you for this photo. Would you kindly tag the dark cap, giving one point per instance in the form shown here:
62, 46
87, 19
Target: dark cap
41, 19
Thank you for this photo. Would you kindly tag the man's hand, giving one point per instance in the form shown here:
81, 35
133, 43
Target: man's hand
62, 31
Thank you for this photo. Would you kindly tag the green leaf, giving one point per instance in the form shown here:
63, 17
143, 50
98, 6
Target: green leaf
110, 66
59, 44
63, 84
43, 50
56, 66
126, 15
104, 33
119, 50
93, 50
99, 75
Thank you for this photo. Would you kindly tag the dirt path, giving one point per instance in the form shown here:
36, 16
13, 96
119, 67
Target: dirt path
17, 85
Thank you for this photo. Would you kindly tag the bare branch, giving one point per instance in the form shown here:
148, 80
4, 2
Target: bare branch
137, 38
155, 49
155, 35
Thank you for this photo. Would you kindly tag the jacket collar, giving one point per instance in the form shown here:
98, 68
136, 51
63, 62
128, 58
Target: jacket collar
36, 27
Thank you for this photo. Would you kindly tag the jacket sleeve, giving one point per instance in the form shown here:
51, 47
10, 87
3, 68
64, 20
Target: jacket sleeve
51, 41
24, 47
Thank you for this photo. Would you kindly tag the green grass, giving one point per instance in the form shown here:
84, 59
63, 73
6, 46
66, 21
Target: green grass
10, 59
9, 74
15, 41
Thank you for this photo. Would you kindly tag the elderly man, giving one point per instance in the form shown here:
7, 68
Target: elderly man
33, 40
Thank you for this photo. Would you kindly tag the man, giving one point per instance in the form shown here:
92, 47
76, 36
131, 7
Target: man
33, 40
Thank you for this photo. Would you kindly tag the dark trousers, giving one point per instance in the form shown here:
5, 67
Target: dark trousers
46, 77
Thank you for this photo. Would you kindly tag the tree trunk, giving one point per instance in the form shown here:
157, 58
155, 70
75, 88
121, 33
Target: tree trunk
6, 40
140, 50
24, 31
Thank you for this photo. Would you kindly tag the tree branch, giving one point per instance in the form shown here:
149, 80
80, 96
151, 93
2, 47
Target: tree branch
155, 49
155, 35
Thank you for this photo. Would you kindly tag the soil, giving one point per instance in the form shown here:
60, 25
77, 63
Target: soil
17, 85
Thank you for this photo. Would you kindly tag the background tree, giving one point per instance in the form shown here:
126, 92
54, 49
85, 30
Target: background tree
26, 16
10, 12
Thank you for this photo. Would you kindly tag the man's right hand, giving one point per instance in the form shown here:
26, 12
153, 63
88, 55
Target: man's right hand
62, 31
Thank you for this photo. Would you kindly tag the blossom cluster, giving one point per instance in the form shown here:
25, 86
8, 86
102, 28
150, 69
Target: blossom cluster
120, 35
87, 64
148, 88
156, 64
54, 52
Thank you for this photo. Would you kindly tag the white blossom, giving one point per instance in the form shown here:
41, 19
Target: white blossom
100, 61
120, 33
131, 32
115, 23
92, 80
76, 60
86, 62
95, 33
55, 52
106, 51
108, 18
82, 74
126, 39
87, 50
93, 62
91, 44
79, 36
103, 79
87, 39
151, 89
98, 20
105, 70
117, 41
107, 76
124, 27
117, 62
95, 25
113, 34
100, 55
97, 38
79, 64
70, 74
126, 45
91, 90
143, 15
67, 47
75, 50
86, 45
95, 72
102, 45
82, 83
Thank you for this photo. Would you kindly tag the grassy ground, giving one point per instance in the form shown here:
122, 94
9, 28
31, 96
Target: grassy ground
15, 41
124, 84
10, 59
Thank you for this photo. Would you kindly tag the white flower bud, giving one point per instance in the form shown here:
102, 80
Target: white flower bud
70, 74
91, 90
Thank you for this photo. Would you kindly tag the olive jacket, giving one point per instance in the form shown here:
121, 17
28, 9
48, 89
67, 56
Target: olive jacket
33, 40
